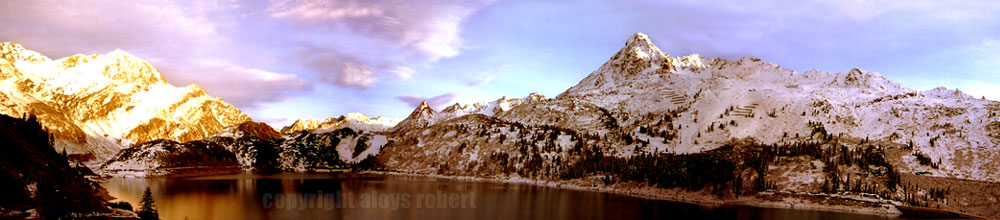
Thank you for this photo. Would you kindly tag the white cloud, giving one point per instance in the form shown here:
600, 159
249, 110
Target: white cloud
486, 76
403, 72
65, 28
356, 75
429, 28
481, 81
181, 39
241, 86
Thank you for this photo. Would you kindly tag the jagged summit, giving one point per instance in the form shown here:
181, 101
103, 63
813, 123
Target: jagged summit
639, 60
13, 52
690, 104
249, 129
422, 110
353, 120
640, 46
491, 108
422, 116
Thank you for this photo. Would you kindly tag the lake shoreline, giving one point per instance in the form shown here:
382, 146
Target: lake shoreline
781, 200
855, 204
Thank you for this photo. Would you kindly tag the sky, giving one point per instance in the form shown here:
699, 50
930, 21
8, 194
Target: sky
282, 60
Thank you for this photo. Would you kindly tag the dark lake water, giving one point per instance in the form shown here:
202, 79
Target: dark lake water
353, 196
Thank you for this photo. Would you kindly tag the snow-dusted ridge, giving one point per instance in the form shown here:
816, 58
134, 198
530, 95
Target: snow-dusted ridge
353, 120
752, 99
99, 104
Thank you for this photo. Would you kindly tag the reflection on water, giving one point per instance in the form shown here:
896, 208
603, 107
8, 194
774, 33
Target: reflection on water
353, 196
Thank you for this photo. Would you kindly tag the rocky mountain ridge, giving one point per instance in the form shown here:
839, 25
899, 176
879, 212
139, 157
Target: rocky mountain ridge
98, 104
353, 120
692, 104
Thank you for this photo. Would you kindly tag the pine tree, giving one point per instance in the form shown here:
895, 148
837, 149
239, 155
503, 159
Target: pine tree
147, 210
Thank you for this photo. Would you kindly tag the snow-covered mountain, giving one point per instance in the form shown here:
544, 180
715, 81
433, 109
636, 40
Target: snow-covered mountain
490, 108
101, 103
353, 120
247, 146
422, 116
691, 104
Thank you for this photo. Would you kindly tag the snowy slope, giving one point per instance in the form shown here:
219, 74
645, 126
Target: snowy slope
766, 101
353, 120
644, 99
100, 104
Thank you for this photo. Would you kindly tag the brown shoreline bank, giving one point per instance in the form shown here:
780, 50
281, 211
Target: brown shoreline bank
784, 200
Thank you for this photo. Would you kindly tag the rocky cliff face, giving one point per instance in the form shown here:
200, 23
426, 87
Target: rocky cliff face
101, 103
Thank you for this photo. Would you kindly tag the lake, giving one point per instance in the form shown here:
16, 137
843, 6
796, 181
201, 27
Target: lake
370, 196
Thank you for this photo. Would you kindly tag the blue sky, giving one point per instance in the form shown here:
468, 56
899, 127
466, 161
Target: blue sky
281, 60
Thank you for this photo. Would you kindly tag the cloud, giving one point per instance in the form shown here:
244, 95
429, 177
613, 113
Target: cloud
427, 28
482, 80
66, 28
485, 76
403, 72
437, 102
181, 39
339, 69
242, 86
349, 73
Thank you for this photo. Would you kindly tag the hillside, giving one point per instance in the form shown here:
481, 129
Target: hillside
34, 178
249, 146
732, 128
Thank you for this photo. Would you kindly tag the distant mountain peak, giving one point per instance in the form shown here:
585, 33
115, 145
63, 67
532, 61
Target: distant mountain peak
421, 110
353, 120
642, 45
127, 68
249, 129
639, 57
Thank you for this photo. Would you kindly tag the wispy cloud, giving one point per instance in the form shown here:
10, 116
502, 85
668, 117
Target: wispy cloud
403, 72
181, 39
437, 102
483, 80
485, 76
375, 39
244, 86
429, 28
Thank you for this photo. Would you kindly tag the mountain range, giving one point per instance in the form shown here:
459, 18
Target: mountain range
681, 114
640, 86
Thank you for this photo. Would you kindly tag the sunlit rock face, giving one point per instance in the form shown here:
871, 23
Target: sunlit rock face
101, 103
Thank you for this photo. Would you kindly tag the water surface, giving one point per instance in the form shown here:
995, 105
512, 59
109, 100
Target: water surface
354, 196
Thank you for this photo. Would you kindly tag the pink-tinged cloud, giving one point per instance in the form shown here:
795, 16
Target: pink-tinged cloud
181, 39
427, 28
242, 86
437, 102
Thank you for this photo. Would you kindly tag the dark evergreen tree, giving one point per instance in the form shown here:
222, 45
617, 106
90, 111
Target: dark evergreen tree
147, 210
